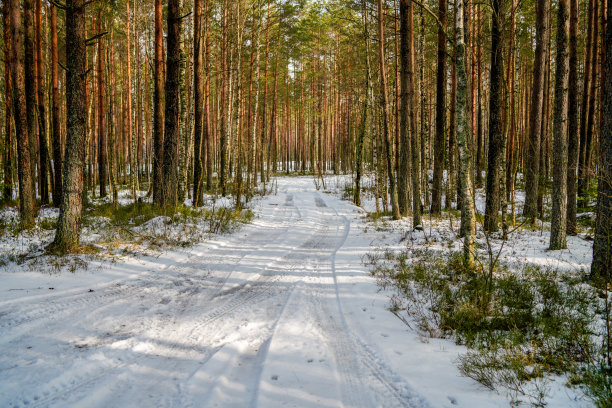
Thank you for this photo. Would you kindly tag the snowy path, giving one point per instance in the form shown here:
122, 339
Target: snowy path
281, 313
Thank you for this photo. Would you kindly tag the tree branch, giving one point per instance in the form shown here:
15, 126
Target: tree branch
91, 40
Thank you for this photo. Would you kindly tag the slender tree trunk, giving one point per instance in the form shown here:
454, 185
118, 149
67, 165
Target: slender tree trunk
208, 134
495, 167
30, 84
530, 210
385, 118
573, 139
55, 112
560, 123
463, 137
436, 192
130, 142
364, 116
158, 105
102, 149
69, 221
27, 200
198, 88
408, 129
452, 126
584, 168
169, 191
602, 245
42, 127
7, 191
584, 106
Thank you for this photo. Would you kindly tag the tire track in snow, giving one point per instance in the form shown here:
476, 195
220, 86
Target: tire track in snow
264, 287
354, 356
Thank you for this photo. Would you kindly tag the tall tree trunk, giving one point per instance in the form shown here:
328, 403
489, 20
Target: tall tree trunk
385, 118
102, 149
573, 139
27, 199
42, 127
198, 88
208, 134
69, 221
559, 194
602, 245
495, 167
364, 116
130, 134
158, 105
169, 191
468, 225
408, 130
452, 126
7, 191
436, 192
55, 112
584, 168
584, 106
530, 210
30, 83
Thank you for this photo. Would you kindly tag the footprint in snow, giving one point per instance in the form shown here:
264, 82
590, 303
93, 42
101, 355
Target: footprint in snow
384, 334
274, 377
452, 400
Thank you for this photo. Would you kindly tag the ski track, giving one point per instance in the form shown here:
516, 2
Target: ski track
207, 330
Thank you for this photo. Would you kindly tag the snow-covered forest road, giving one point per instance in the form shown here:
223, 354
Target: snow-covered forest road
280, 313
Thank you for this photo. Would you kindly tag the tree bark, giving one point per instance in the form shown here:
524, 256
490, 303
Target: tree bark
559, 194
27, 200
102, 149
385, 118
69, 221
530, 209
198, 87
158, 105
463, 138
30, 83
169, 194
602, 244
573, 139
43, 178
55, 112
7, 191
436, 192
497, 142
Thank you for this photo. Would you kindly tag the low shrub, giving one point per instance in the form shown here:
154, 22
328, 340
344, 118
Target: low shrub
520, 327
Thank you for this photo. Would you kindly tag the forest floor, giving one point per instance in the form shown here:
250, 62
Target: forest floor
281, 312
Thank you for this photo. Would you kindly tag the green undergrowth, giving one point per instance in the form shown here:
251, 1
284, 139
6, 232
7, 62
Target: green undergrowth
522, 325
157, 227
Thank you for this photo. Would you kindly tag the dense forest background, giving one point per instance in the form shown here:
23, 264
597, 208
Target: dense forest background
187, 96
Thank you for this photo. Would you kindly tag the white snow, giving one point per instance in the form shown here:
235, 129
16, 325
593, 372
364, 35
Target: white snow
280, 313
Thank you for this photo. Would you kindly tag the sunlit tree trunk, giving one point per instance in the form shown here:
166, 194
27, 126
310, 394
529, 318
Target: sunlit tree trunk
436, 192
69, 221
169, 191
27, 200
385, 119
559, 194
158, 105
